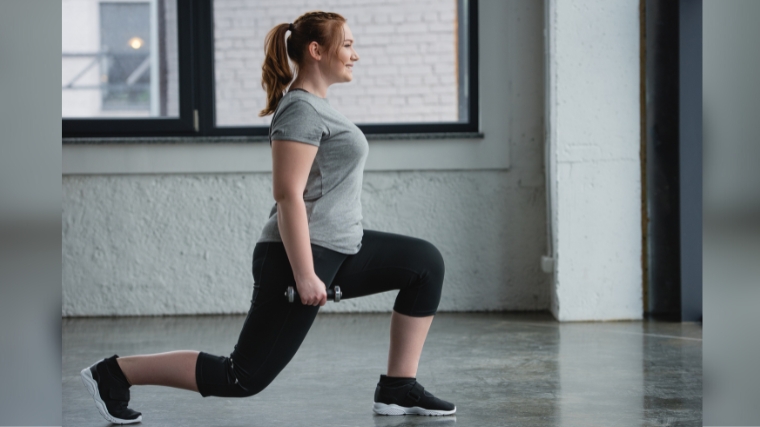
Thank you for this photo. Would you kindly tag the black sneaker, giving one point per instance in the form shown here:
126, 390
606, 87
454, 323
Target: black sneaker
405, 396
111, 393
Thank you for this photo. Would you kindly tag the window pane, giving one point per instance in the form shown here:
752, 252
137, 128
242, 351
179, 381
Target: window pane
119, 59
408, 69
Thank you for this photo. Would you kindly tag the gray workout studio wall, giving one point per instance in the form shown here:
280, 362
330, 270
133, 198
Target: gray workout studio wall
158, 234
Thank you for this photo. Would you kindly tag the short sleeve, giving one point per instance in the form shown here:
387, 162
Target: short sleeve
297, 121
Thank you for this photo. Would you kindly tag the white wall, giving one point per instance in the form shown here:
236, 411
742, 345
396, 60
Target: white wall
169, 229
182, 244
593, 142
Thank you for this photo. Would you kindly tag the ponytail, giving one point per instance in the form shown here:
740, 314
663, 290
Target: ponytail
276, 74
325, 28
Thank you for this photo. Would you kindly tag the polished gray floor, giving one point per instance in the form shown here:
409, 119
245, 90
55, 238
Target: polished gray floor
499, 369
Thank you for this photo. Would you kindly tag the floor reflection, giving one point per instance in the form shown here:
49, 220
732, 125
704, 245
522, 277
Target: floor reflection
499, 369
601, 382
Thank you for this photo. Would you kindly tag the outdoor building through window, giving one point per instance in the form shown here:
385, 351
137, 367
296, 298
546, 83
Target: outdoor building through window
126, 65
407, 71
193, 67
116, 59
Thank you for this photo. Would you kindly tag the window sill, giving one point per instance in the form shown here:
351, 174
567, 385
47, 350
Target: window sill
255, 139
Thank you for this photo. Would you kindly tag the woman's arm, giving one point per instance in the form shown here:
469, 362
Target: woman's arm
291, 163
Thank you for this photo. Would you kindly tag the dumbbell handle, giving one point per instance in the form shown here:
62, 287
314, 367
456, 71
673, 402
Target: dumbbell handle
333, 295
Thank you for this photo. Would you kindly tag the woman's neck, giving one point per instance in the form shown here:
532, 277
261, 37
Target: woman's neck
317, 88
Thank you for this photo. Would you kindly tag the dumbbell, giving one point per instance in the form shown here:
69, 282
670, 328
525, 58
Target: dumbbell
332, 295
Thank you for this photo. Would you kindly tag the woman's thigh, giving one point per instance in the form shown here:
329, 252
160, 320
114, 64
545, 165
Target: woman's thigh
275, 328
388, 261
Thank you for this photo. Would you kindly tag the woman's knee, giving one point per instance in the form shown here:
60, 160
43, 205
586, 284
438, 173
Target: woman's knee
214, 377
220, 376
422, 298
252, 378
431, 261
252, 388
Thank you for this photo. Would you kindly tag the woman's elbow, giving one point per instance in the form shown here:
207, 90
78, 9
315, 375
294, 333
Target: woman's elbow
285, 197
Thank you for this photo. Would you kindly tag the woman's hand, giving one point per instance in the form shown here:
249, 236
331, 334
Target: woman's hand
312, 290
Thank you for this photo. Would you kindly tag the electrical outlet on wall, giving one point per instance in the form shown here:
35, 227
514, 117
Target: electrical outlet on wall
547, 264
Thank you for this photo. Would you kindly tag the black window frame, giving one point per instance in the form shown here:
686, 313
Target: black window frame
195, 26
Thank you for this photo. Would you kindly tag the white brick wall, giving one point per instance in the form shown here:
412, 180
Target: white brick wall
594, 159
407, 69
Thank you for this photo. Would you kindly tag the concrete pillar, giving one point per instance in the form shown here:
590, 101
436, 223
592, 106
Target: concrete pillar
593, 161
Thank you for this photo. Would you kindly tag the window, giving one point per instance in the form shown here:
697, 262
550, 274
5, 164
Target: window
193, 67
119, 59
125, 43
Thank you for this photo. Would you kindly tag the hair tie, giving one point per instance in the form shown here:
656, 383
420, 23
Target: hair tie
290, 27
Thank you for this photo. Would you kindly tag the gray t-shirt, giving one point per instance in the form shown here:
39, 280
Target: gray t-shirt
333, 189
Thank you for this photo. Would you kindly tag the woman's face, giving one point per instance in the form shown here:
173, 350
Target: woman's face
342, 64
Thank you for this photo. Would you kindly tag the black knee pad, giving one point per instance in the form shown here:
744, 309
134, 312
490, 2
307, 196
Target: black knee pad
214, 377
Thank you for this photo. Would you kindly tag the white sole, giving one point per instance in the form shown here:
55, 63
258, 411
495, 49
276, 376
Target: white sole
92, 386
392, 409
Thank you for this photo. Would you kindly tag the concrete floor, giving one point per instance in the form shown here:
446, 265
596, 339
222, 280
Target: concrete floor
499, 369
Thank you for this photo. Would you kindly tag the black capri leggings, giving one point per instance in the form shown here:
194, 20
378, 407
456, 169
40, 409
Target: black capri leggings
274, 328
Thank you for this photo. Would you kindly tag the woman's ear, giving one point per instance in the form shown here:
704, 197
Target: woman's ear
315, 51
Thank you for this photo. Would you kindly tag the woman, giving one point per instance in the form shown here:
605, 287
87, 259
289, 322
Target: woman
312, 241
